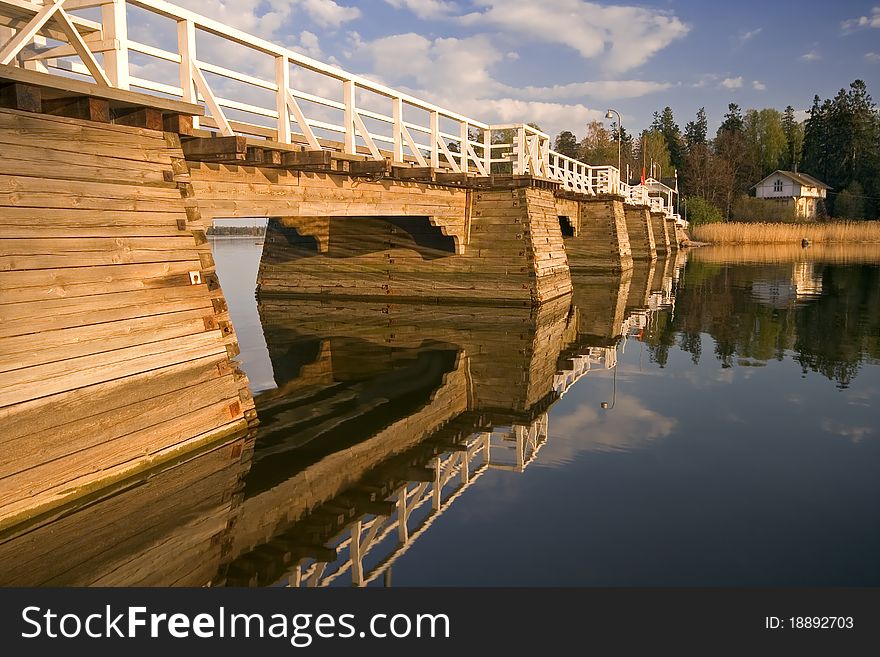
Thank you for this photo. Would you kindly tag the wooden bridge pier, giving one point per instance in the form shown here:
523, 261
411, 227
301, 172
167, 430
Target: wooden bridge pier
641, 232
595, 231
488, 241
661, 235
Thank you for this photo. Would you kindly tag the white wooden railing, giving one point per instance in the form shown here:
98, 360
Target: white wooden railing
280, 95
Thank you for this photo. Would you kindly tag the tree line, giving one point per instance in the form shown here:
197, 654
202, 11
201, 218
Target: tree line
838, 143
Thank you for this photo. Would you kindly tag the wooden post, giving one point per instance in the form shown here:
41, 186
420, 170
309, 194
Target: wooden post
348, 90
282, 79
487, 150
435, 138
397, 117
354, 552
186, 46
116, 28
465, 144
402, 515
519, 167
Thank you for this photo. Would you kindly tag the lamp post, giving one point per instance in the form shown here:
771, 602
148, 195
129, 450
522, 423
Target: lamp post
610, 115
604, 405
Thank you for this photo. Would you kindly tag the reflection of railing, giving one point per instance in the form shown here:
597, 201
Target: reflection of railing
269, 97
381, 539
581, 365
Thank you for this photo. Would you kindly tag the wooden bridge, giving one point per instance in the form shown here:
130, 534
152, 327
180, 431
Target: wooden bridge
115, 155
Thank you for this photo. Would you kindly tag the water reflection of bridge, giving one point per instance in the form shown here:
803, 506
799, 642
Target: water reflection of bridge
384, 417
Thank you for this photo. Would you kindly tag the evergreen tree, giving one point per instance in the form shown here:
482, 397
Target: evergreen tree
695, 132
794, 138
566, 144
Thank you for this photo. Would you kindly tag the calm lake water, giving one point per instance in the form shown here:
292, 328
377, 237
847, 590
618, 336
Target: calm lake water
692, 424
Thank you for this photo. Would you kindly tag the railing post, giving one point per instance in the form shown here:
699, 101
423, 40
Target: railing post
520, 151
487, 150
435, 139
282, 79
186, 46
115, 27
397, 118
348, 90
465, 144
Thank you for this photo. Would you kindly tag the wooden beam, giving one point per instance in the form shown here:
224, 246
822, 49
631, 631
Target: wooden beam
118, 97
181, 124
79, 107
415, 173
370, 168
143, 117
81, 48
213, 149
28, 32
309, 159
21, 97
211, 101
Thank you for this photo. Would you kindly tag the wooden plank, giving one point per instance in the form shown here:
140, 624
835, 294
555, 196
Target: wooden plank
104, 245
55, 282
81, 469
79, 88
29, 417
79, 218
99, 316
11, 312
52, 378
24, 351
95, 430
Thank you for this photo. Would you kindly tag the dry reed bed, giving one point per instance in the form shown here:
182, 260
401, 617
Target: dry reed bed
778, 233
783, 253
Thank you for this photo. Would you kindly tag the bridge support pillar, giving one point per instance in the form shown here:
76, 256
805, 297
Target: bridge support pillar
506, 249
641, 233
673, 235
597, 238
661, 236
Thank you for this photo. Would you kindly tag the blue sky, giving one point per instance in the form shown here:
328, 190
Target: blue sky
562, 63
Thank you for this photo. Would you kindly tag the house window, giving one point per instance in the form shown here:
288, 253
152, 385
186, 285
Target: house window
777, 186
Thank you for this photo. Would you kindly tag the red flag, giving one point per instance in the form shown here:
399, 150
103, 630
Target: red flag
643, 175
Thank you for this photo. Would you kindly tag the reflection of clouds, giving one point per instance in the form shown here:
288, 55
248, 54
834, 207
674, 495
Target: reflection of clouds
792, 398
629, 425
853, 433
861, 397
723, 376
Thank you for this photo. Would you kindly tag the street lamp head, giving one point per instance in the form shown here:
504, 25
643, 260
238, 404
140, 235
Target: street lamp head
609, 115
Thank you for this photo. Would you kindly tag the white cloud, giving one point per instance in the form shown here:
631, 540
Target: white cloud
457, 73
600, 89
705, 80
426, 8
442, 65
750, 34
872, 56
309, 45
757, 85
264, 18
853, 24
622, 36
812, 56
327, 13
732, 83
